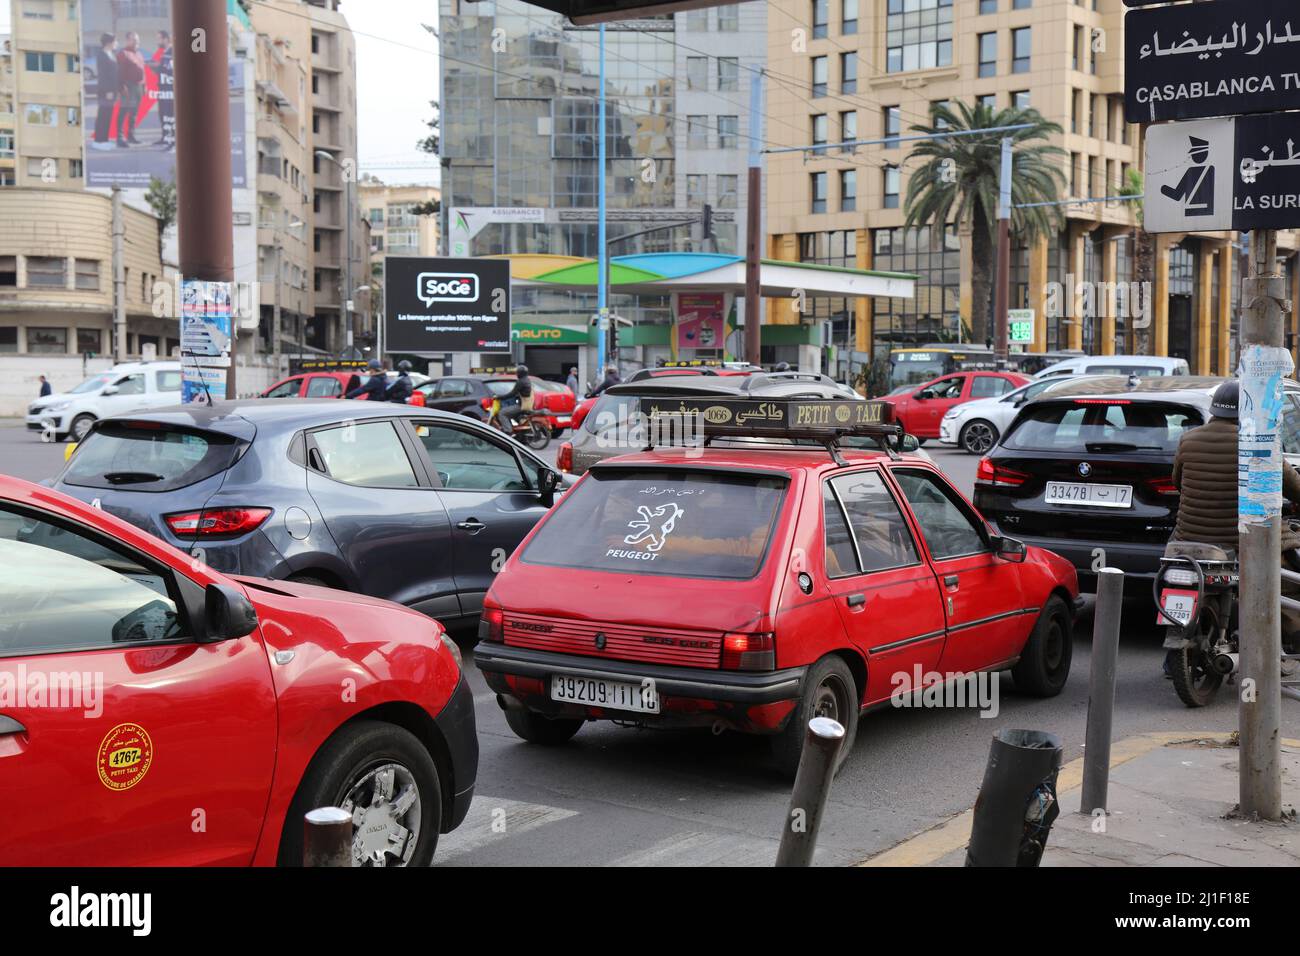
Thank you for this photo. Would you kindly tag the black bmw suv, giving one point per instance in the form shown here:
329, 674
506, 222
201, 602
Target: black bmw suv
1087, 472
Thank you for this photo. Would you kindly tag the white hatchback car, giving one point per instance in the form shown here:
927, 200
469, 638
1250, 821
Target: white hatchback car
1140, 365
976, 426
125, 388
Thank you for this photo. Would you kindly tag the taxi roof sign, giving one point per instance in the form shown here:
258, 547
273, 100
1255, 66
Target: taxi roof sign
820, 419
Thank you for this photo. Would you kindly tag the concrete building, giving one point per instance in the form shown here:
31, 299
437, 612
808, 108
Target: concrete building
396, 228
842, 70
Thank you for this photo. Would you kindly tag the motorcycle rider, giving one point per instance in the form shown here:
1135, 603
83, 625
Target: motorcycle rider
375, 387
1205, 474
400, 391
611, 378
518, 399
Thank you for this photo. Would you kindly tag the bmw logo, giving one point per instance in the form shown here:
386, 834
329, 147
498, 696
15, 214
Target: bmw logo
600, 640
1085, 469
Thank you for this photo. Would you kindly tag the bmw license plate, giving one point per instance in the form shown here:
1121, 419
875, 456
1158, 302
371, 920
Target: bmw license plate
1178, 604
642, 698
1089, 495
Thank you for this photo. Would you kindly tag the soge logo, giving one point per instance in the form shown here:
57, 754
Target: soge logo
446, 287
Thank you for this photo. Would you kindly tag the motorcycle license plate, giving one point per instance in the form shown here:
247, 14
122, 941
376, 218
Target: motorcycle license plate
1178, 604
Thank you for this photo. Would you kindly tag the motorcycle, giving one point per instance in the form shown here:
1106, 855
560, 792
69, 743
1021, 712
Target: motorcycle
531, 428
1196, 597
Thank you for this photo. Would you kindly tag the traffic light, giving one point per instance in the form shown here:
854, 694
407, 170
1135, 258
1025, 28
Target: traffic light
706, 230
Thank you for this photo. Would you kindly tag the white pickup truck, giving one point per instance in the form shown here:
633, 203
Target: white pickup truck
124, 388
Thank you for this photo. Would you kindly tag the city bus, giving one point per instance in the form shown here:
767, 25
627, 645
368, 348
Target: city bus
916, 365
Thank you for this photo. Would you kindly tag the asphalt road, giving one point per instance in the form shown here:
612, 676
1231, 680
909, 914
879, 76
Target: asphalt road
636, 797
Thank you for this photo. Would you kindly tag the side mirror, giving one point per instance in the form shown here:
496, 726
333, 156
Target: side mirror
1009, 549
227, 614
906, 443
547, 481
109, 390
924, 395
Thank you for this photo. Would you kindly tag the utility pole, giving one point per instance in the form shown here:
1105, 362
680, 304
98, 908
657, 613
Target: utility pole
119, 278
1260, 710
204, 211
754, 225
1002, 297
602, 249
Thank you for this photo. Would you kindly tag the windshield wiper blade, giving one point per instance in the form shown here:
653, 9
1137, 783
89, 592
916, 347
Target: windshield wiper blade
1104, 446
131, 477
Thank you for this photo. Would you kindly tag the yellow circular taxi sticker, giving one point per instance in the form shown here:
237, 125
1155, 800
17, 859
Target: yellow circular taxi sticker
124, 756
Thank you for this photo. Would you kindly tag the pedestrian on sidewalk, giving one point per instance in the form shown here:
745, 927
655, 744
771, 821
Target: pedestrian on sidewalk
572, 381
45, 388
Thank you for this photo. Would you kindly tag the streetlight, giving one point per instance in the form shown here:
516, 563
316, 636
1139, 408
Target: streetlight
347, 215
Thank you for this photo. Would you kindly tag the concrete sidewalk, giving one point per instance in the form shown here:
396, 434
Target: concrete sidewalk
1171, 798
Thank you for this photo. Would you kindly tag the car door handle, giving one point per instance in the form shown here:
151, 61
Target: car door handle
856, 600
472, 525
10, 726
950, 581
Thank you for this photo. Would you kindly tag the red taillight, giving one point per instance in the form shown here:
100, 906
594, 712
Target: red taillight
564, 458
1102, 401
1163, 486
997, 475
216, 522
749, 652
493, 625
579, 415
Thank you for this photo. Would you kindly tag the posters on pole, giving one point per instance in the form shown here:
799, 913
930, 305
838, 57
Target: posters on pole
446, 304
701, 320
1259, 442
129, 112
205, 340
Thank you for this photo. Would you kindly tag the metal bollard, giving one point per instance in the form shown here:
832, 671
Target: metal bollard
327, 837
1101, 689
812, 788
1017, 801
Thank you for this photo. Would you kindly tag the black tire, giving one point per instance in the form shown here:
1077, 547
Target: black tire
343, 761
978, 437
538, 729
538, 436
80, 425
1044, 664
1194, 681
829, 691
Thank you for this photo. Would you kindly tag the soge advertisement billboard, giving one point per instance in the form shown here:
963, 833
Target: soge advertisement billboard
446, 305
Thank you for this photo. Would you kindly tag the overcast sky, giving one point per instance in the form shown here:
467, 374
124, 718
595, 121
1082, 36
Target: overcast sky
397, 76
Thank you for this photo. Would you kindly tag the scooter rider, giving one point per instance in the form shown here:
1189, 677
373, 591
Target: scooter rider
611, 378
376, 387
519, 398
400, 391
1205, 474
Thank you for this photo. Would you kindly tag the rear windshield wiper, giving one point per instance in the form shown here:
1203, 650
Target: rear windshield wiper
131, 477
1105, 446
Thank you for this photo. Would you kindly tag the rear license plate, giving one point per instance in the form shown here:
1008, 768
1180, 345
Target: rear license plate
563, 421
1178, 604
594, 692
1089, 495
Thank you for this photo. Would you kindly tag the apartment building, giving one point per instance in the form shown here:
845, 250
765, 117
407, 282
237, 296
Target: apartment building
44, 82
845, 70
402, 222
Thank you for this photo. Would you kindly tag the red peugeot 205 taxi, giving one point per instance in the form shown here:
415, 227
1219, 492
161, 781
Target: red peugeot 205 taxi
754, 587
155, 712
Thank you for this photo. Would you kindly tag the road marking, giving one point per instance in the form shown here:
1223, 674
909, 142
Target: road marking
703, 848
938, 841
493, 819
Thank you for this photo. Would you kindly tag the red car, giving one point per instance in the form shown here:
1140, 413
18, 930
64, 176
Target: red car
920, 410
154, 712
804, 581
315, 385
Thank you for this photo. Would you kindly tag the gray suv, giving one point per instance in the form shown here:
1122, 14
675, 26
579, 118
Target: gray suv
398, 502
605, 433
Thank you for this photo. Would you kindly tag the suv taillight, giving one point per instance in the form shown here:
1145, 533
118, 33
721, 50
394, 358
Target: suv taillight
1163, 486
492, 626
997, 475
749, 652
564, 458
216, 522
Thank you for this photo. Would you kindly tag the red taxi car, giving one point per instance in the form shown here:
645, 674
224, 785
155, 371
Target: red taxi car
155, 712
920, 410
805, 581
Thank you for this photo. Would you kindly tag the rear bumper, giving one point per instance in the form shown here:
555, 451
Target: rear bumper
1139, 562
755, 702
456, 725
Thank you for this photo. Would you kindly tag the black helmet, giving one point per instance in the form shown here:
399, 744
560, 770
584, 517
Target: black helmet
521, 370
374, 365
783, 367
1224, 403
403, 366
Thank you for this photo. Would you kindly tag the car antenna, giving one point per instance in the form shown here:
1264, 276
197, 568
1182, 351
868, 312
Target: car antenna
202, 378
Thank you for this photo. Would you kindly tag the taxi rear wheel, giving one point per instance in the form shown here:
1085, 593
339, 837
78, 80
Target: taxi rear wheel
538, 729
829, 691
1044, 663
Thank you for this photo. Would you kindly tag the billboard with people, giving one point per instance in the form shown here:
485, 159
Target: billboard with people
130, 112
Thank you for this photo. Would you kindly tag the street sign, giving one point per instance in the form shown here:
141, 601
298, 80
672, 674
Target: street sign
1238, 173
1020, 323
1219, 58
446, 305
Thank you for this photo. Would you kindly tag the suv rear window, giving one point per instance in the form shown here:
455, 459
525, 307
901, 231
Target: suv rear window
1100, 426
144, 457
608, 411
693, 524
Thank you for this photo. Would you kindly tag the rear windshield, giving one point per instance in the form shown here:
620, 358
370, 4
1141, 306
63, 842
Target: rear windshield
135, 458
691, 524
608, 411
500, 388
1099, 426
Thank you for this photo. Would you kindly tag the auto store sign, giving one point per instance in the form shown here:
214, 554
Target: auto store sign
446, 305
1219, 58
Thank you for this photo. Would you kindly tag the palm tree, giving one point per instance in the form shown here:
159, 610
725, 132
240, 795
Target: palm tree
958, 183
